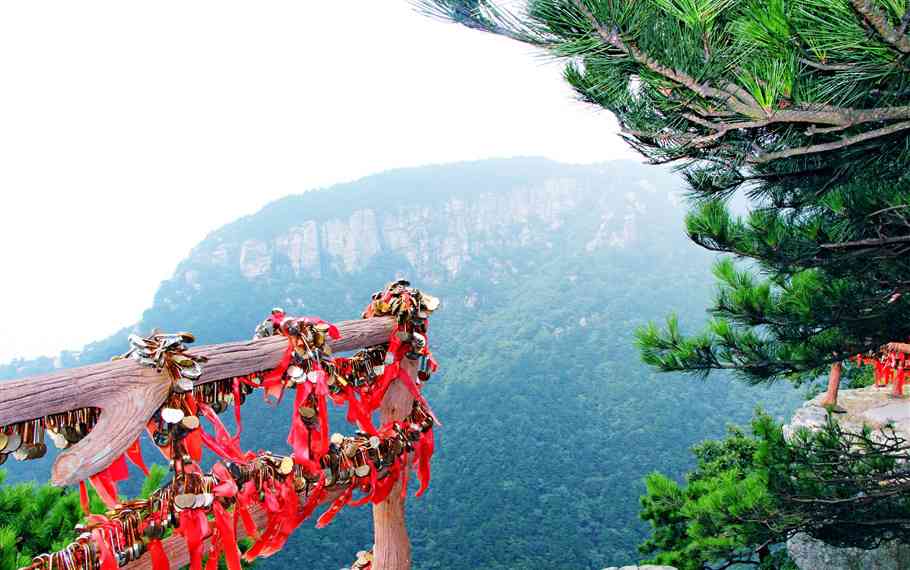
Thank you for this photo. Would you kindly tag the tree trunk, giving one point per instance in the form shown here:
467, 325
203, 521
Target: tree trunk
391, 546
830, 399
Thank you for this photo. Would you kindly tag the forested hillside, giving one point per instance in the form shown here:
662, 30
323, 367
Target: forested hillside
545, 270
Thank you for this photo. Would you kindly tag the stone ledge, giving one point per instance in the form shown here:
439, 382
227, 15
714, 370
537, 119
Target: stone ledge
870, 406
646, 567
875, 408
811, 554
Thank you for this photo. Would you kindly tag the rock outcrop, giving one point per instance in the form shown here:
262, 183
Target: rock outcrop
811, 554
870, 406
438, 239
873, 407
647, 567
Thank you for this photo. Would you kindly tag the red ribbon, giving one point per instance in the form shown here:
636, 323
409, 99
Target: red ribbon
105, 481
105, 554
315, 497
284, 516
273, 380
242, 510
83, 498
338, 504
368, 489
226, 537
424, 453
377, 391
134, 453
214, 553
222, 444
299, 435
159, 557
194, 526
322, 390
384, 486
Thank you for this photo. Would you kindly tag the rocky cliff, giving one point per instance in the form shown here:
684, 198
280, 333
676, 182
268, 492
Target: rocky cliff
872, 407
438, 239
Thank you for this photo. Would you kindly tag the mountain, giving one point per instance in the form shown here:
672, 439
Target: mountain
545, 270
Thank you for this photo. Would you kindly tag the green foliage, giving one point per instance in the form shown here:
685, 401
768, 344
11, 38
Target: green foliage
804, 107
749, 493
706, 520
37, 518
154, 481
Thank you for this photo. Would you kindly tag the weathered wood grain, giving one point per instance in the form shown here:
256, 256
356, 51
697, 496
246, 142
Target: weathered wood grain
128, 394
391, 545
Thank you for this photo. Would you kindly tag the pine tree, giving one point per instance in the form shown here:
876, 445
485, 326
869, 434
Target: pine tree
801, 105
37, 518
750, 493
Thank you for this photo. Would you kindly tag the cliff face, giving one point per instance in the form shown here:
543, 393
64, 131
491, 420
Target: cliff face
437, 240
871, 407
470, 223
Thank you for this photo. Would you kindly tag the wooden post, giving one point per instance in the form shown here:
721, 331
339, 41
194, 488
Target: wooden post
830, 399
391, 546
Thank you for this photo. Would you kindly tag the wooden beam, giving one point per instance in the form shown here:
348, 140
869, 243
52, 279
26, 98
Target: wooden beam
128, 394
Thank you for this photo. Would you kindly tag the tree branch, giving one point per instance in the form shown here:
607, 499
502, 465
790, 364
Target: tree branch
879, 21
613, 38
813, 130
826, 66
765, 158
905, 21
740, 101
703, 122
734, 562
890, 209
866, 243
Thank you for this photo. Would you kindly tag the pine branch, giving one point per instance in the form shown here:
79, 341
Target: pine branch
765, 158
733, 562
889, 209
866, 243
843, 116
879, 21
736, 98
813, 130
740, 101
905, 21
826, 66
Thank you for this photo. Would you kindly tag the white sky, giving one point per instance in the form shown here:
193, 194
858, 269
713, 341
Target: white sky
129, 130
